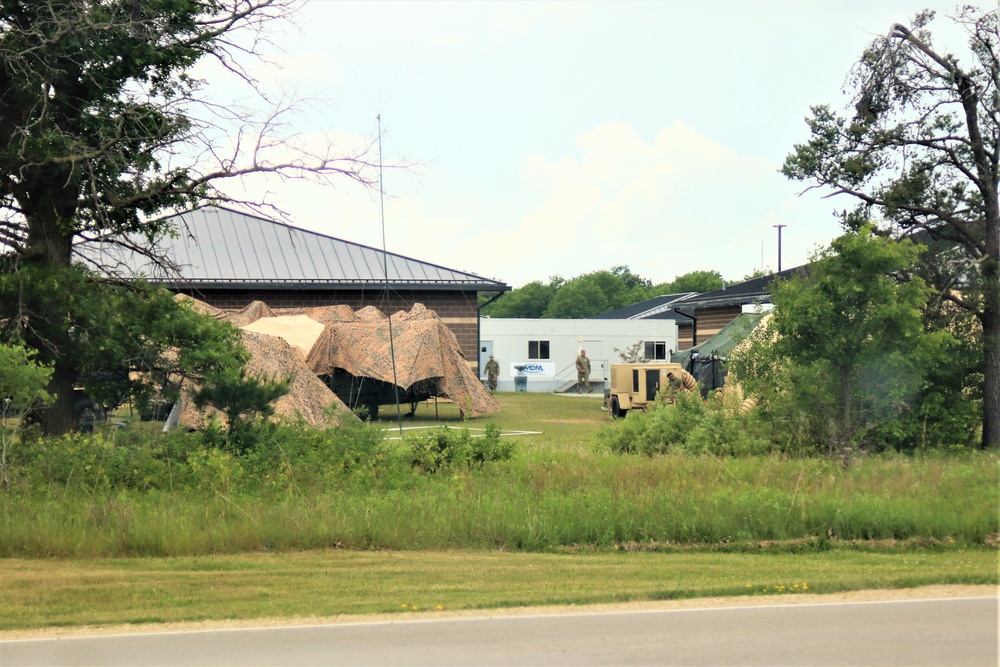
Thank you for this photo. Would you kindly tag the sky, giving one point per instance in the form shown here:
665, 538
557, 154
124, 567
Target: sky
546, 139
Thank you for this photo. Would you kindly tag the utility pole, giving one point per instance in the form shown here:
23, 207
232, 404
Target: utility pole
779, 244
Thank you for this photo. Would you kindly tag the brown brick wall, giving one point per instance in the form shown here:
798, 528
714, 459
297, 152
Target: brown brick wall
456, 309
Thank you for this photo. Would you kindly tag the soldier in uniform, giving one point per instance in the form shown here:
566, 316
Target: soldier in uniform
492, 371
583, 372
673, 387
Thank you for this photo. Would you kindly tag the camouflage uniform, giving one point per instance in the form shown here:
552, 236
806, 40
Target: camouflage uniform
492, 371
583, 372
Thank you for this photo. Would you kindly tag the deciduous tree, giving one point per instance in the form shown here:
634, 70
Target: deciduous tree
918, 148
102, 126
846, 345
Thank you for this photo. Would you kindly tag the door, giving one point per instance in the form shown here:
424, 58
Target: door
598, 362
652, 384
485, 350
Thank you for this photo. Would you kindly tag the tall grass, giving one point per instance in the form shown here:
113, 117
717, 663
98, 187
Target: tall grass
536, 502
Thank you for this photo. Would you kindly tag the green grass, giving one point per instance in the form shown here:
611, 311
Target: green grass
563, 522
567, 423
40, 593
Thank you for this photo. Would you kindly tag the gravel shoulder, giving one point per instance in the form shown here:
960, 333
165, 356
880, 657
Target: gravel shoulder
875, 595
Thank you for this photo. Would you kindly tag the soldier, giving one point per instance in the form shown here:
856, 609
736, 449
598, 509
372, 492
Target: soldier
492, 371
673, 387
583, 372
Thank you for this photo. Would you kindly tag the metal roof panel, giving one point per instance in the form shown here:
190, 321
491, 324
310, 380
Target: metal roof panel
223, 247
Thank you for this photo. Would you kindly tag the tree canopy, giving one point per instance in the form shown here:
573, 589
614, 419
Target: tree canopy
594, 293
101, 128
847, 352
918, 150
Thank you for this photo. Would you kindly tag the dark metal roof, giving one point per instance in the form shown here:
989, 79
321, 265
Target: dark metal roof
750, 291
643, 310
219, 247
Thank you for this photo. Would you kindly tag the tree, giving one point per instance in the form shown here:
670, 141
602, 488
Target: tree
919, 150
22, 388
578, 298
98, 331
631, 280
530, 300
633, 354
696, 281
102, 127
847, 341
247, 402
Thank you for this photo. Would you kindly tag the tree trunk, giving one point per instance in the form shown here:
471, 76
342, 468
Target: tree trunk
991, 390
60, 417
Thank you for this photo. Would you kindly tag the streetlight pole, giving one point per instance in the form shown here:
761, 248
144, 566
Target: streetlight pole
779, 244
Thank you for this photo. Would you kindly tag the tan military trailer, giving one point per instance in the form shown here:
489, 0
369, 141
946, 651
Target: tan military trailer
634, 386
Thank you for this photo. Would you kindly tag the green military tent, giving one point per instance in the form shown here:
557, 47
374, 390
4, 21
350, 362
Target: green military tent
707, 361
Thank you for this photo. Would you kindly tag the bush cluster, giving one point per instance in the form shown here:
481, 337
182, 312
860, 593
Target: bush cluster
445, 448
691, 425
287, 459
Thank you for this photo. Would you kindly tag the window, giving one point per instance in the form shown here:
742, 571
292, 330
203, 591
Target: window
538, 349
656, 350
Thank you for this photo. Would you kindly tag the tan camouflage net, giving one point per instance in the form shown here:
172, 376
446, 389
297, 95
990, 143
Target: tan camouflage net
308, 398
313, 341
424, 348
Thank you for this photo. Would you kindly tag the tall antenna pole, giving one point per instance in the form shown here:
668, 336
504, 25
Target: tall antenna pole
385, 271
779, 244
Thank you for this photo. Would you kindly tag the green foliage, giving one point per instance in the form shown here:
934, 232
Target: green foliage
690, 425
530, 300
579, 298
695, 281
136, 491
22, 387
93, 332
593, 293
247, 402
97, 118
914, 151
447, 449
847, 359
22, 382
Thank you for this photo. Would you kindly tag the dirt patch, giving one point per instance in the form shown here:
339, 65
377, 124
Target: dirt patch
878, 595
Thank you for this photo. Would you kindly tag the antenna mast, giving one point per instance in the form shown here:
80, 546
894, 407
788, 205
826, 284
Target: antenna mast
385, 272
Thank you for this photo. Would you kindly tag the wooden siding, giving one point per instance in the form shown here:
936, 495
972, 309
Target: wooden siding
712, 320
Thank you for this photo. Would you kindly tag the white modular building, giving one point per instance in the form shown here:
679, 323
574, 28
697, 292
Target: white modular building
540, 354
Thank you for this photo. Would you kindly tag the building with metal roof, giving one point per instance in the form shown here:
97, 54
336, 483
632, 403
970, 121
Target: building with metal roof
642, 310
701, 316
229, 259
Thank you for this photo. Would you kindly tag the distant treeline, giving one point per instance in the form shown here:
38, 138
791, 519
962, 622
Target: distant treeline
593, 293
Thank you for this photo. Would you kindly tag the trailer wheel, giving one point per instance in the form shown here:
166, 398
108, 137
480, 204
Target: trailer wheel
616, 409
87, 414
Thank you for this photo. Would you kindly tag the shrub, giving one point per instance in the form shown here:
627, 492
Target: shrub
690, 425
445, 449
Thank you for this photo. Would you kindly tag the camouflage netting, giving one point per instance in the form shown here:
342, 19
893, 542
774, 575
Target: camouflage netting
299, 331
248, 314
200, 306
424, 348
314, 341
308, 398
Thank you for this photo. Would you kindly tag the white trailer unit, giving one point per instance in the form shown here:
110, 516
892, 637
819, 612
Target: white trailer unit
542, 352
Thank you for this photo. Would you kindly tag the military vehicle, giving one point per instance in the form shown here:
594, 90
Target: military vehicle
635, 386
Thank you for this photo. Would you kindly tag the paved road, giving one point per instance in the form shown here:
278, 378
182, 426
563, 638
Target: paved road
911, 632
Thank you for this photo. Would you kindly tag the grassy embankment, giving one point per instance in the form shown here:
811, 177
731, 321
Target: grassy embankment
586, 527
